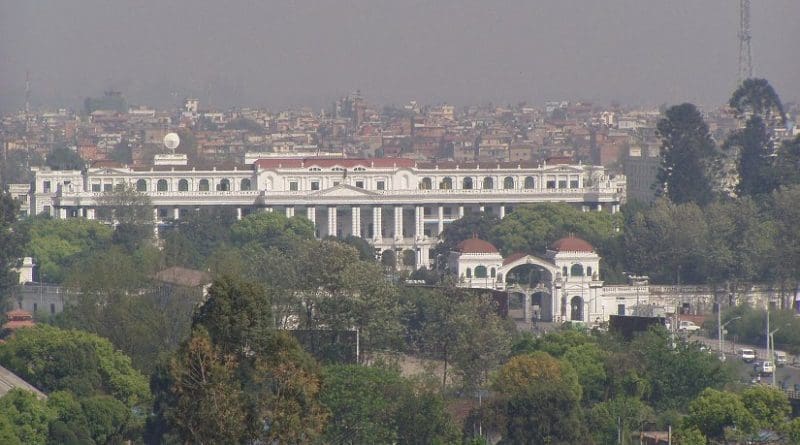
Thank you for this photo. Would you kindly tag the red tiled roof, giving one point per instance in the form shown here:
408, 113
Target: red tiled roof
334, 162
572, 244
476, 245
17, 324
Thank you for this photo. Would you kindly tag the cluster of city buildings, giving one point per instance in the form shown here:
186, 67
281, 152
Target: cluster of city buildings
395, 176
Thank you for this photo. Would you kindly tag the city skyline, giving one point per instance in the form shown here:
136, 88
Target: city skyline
283, 55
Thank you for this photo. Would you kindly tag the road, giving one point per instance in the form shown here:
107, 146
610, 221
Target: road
786, 376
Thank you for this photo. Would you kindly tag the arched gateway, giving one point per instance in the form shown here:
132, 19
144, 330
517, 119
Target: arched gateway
561, 286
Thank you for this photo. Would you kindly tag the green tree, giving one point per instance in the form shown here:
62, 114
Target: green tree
63, 158
690, 436
364, 403
470, 225
757, 97
27, 417
668, 242
131, 211
769, 406
533, 228
11, 241
235, 381
788, 162
626, 412
236, 315
539, 401
687, 156
588, 361
272, 229
54, 359
756, 164
206, 403
56, 243
713, 411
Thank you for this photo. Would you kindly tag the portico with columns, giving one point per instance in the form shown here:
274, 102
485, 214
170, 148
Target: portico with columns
394, 203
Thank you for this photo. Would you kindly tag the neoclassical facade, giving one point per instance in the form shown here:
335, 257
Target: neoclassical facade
395, 203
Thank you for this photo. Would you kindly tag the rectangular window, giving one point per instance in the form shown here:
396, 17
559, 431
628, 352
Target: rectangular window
293, 186
620, 309
95, 187
360, 184
573, 184
52, 308
562, 184
335, 183
551, 184
381, 185
46, 210
108, 187
35, 307
314, 185
46, 187
162, 213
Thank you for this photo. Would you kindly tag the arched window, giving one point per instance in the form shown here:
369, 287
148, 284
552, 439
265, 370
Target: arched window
529, 182
425, 184
467, 183
244, 185
508, 183
141, 185
564, 271
446, 184
480, 272
183, 185
224, 186
162, 185
488, 182
469, 273
493, 272
588, 271
203, 185
576, 270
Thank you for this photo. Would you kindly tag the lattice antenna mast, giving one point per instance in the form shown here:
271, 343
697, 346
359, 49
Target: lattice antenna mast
745, 57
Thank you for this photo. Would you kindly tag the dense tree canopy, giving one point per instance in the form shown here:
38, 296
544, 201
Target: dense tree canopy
687, 156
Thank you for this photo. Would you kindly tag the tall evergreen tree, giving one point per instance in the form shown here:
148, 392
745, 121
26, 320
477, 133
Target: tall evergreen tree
756, 161
687, 156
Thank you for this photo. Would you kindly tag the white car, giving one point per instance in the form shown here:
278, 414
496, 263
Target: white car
688, 326
748, 355
765, 367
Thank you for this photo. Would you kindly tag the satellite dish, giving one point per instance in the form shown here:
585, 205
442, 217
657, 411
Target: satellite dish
172, 140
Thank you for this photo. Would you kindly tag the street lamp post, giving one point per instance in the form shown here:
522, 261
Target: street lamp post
721, 330
771, 353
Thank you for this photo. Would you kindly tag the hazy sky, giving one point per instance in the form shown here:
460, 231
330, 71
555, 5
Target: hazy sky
283, 53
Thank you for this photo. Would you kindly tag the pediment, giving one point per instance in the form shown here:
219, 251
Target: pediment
345, 191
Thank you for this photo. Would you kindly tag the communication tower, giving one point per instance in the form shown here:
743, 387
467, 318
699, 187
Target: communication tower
745, 57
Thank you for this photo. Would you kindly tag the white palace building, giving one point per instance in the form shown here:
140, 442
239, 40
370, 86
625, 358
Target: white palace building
395, 203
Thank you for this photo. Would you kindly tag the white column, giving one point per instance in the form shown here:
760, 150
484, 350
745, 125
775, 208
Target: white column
289, 211
62, 213
176, 213
461, 211
90, 213
332, 221
377, 224
440, 221
481, 209
355, 221
502, 211
526, 307
238, 213
599, 207
155, 214
398, 223
311, 214
419, 214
